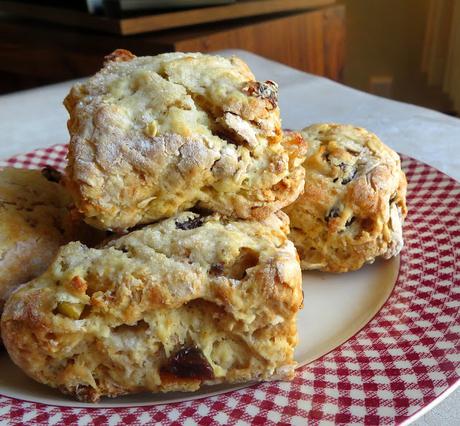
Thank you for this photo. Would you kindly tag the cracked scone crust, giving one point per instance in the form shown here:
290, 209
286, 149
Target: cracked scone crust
34, 222
152, 136
354, 203
189, 301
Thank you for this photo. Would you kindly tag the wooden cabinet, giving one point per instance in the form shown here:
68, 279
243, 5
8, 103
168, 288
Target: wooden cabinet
311, 41
34, 53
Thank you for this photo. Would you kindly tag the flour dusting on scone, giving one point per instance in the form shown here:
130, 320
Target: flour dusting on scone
153, 136
354, 203
189, 301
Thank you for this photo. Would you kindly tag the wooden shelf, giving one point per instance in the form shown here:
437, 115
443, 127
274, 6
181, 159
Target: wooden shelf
35, 53
160, 21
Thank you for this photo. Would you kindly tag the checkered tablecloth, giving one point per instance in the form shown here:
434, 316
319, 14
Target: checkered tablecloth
404, 359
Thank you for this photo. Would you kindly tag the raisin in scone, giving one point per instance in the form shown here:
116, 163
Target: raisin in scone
354, 203
153, 136
34, 222
191, 300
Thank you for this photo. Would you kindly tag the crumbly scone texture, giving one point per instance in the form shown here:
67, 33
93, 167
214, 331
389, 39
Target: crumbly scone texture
152, 136
354, 202
34, 222
191, 300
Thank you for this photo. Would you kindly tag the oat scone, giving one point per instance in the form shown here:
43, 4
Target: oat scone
354, 203
153, 136
34, 222
191, 300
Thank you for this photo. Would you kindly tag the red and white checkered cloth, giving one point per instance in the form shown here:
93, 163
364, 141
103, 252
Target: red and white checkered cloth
405, 358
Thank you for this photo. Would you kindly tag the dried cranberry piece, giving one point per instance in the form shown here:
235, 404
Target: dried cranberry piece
51, 174
190, 363
334, 212
192, 223
350, 221
350, 177
216, 269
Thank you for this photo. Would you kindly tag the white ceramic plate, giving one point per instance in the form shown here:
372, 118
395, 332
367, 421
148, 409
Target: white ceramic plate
399, 365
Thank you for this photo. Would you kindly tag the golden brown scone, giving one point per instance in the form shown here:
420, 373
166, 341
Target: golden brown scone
354, 201
35, 220
152, 136
34, 223
189, 301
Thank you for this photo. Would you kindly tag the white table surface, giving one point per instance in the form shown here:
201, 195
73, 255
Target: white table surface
36, 119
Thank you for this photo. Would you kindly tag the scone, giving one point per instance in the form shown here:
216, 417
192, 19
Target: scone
188, 301
34, 222
354, 203
153, 136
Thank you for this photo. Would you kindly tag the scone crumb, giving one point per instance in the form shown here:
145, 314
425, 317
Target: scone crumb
79, 284
119, 55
